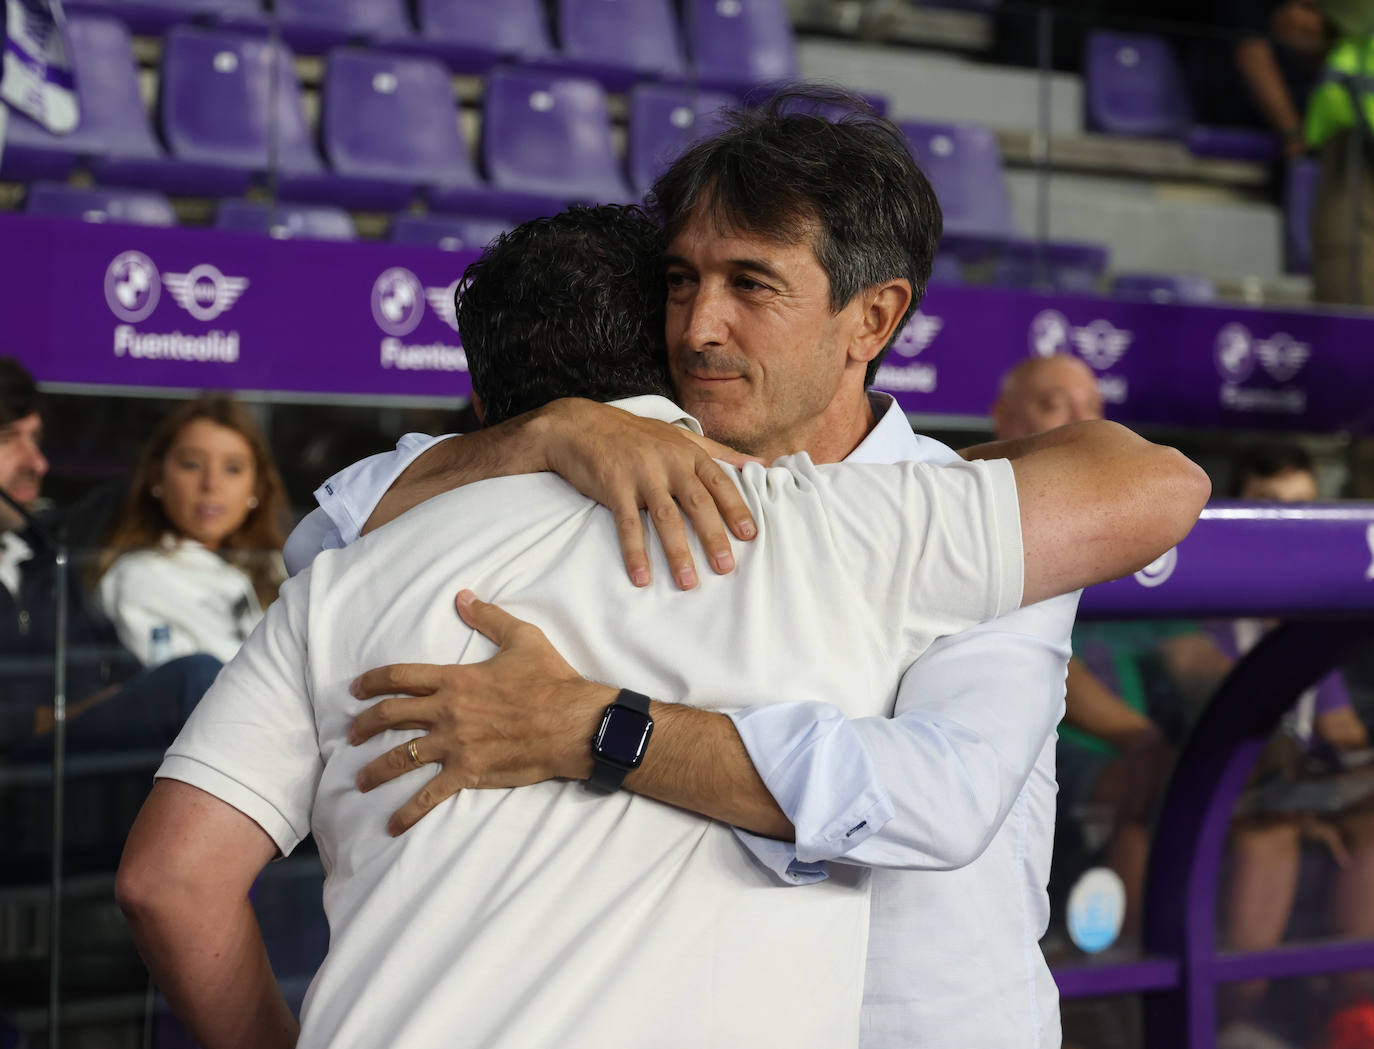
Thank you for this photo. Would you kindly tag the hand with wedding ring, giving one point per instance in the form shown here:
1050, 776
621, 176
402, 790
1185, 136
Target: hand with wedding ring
521, 717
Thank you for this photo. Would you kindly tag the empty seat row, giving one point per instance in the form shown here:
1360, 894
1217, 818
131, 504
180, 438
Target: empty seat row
389, 128
964, 165
1135, 85
733, 44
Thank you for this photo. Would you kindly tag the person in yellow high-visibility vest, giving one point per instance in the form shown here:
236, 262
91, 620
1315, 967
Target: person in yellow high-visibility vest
1340, 125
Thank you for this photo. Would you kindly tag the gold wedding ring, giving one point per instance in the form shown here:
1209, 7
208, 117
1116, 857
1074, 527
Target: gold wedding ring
414, 752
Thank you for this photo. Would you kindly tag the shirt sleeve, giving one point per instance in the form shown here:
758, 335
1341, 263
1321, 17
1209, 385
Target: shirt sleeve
928, 788
251, 741
349, 497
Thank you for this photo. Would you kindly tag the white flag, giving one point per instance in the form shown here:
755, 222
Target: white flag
38, 78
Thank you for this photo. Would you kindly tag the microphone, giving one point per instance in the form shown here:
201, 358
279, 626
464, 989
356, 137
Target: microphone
29, 520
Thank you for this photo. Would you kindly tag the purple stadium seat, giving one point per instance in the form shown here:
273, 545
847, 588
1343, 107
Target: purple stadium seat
473, 35
285, 221
216, 105
617, 42
389, 124
964, 165
1233, 143
111, 108
449, 232
1300, 196
137, 207
549, 135
156, 16
1057, 265
390, 127
738, 44
314, 26
1163, 287
1135, 86
113, 135
946, 270
664, 120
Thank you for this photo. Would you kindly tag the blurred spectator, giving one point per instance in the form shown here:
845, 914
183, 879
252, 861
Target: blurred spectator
1298, 790
1111, 758
1340, 125
1042, 393
1277, 55
110, 705
195, 555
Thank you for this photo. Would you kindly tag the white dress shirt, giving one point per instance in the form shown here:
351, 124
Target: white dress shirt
952, 799
550, 916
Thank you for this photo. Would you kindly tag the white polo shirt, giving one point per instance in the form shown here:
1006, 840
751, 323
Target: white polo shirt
549, 915
950, 800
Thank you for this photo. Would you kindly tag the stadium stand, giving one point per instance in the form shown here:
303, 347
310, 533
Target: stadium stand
739, 44
139, 207
449, 232
311, 27
473, 35
664, 119
618, 42
1163, 287
282, 221
964, 165
549, 135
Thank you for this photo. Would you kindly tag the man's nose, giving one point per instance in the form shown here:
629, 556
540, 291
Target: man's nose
37, 462
707, 319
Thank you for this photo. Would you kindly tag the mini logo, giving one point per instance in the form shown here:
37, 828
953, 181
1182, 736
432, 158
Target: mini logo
1282, 356
1158, 571
397, 301
1234, 352
918, 334
444, 302
1099, 342
204, 292
1049, 333
131, 286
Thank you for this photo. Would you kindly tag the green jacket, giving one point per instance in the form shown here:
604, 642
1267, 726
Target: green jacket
1349, 76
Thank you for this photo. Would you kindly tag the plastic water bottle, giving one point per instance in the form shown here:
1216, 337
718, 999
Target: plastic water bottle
160, 650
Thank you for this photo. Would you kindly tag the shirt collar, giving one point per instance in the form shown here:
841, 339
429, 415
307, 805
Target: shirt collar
892, 441
652, 406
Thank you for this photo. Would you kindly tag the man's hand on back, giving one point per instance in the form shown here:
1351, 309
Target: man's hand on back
521, 717
629, 464
624, 462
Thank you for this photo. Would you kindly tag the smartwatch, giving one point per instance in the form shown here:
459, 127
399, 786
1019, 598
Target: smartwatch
620, 741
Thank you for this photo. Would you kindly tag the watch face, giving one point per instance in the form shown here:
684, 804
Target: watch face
623, 735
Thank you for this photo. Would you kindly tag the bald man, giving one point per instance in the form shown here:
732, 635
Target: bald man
1042, 393
1110, 755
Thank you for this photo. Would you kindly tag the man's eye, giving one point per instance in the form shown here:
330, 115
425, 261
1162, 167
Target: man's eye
749, 284
676, 280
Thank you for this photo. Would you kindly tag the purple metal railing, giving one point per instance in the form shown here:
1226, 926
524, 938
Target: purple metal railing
1253, 560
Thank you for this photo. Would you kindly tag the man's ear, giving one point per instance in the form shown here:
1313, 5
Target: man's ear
477, 408
883, 307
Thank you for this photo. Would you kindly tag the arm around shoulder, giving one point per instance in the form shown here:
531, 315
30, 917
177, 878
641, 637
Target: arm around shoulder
1098, 502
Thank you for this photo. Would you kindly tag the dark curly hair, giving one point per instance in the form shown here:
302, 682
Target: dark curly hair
568, 306
818, 164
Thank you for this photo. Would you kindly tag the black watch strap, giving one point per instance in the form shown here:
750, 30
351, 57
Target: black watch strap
608, 775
